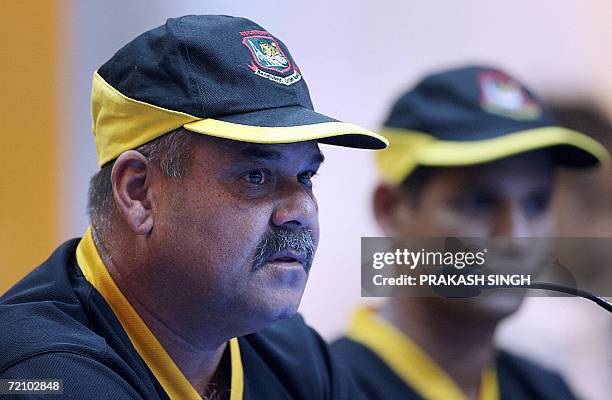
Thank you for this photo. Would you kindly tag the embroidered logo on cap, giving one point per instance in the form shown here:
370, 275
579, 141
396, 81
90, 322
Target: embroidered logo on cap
502, 95
268, 55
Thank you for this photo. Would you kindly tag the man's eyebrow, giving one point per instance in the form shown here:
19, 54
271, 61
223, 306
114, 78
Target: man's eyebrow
258, 152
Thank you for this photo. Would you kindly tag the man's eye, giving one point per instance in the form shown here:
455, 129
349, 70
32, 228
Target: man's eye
478, 202
537, 204
257, 177
305, 177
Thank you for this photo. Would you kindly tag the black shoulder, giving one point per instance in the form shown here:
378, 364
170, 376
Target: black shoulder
363, 363
293, 355
355, 356
48, 281
372, 375
539, 382
43, 313
81, 377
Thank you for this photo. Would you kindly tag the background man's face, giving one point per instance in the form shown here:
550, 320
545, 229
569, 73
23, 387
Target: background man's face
509, 198
239, 232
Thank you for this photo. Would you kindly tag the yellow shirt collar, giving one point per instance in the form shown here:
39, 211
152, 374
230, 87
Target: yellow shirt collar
410, 362
146, 344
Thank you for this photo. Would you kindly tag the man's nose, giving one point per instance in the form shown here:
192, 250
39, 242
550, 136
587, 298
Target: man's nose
510, 221
295, 208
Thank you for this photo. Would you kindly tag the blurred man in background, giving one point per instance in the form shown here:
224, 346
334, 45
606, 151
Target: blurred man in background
473, 153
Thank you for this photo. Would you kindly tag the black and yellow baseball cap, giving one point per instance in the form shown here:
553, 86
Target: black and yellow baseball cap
215, 75
475, 115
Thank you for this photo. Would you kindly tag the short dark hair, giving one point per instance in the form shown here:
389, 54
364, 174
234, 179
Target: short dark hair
171, 153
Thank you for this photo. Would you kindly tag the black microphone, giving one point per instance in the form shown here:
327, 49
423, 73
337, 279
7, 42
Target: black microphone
601, 301
467, 291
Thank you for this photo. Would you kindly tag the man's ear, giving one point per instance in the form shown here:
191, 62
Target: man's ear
391, 208
131, 178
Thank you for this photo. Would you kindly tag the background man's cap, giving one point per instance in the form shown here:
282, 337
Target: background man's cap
215, 75
475, 115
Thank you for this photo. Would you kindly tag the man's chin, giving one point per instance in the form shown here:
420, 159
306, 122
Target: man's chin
280, 289
286, 312
488, 306
497, 305
284, 304
271, 305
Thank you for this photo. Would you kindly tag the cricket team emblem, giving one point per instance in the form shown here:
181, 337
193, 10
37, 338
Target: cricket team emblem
269, 60
502, 95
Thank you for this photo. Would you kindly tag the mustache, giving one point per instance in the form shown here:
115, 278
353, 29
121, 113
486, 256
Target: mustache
281, 239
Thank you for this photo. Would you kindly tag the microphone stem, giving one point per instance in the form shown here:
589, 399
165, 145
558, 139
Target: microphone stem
603, 302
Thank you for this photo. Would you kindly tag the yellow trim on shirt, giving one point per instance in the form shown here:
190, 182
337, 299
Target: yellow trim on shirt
146, 344
410, 362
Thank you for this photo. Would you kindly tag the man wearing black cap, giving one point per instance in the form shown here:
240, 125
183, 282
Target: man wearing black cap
203, 229
472, 153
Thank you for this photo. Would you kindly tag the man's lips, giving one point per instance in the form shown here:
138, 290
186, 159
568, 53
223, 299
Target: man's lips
288, 256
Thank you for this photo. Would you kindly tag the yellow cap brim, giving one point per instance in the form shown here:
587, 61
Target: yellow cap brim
324, 132
409, 149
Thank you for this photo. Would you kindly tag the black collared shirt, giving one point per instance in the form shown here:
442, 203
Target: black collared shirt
388, 365
56, 324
